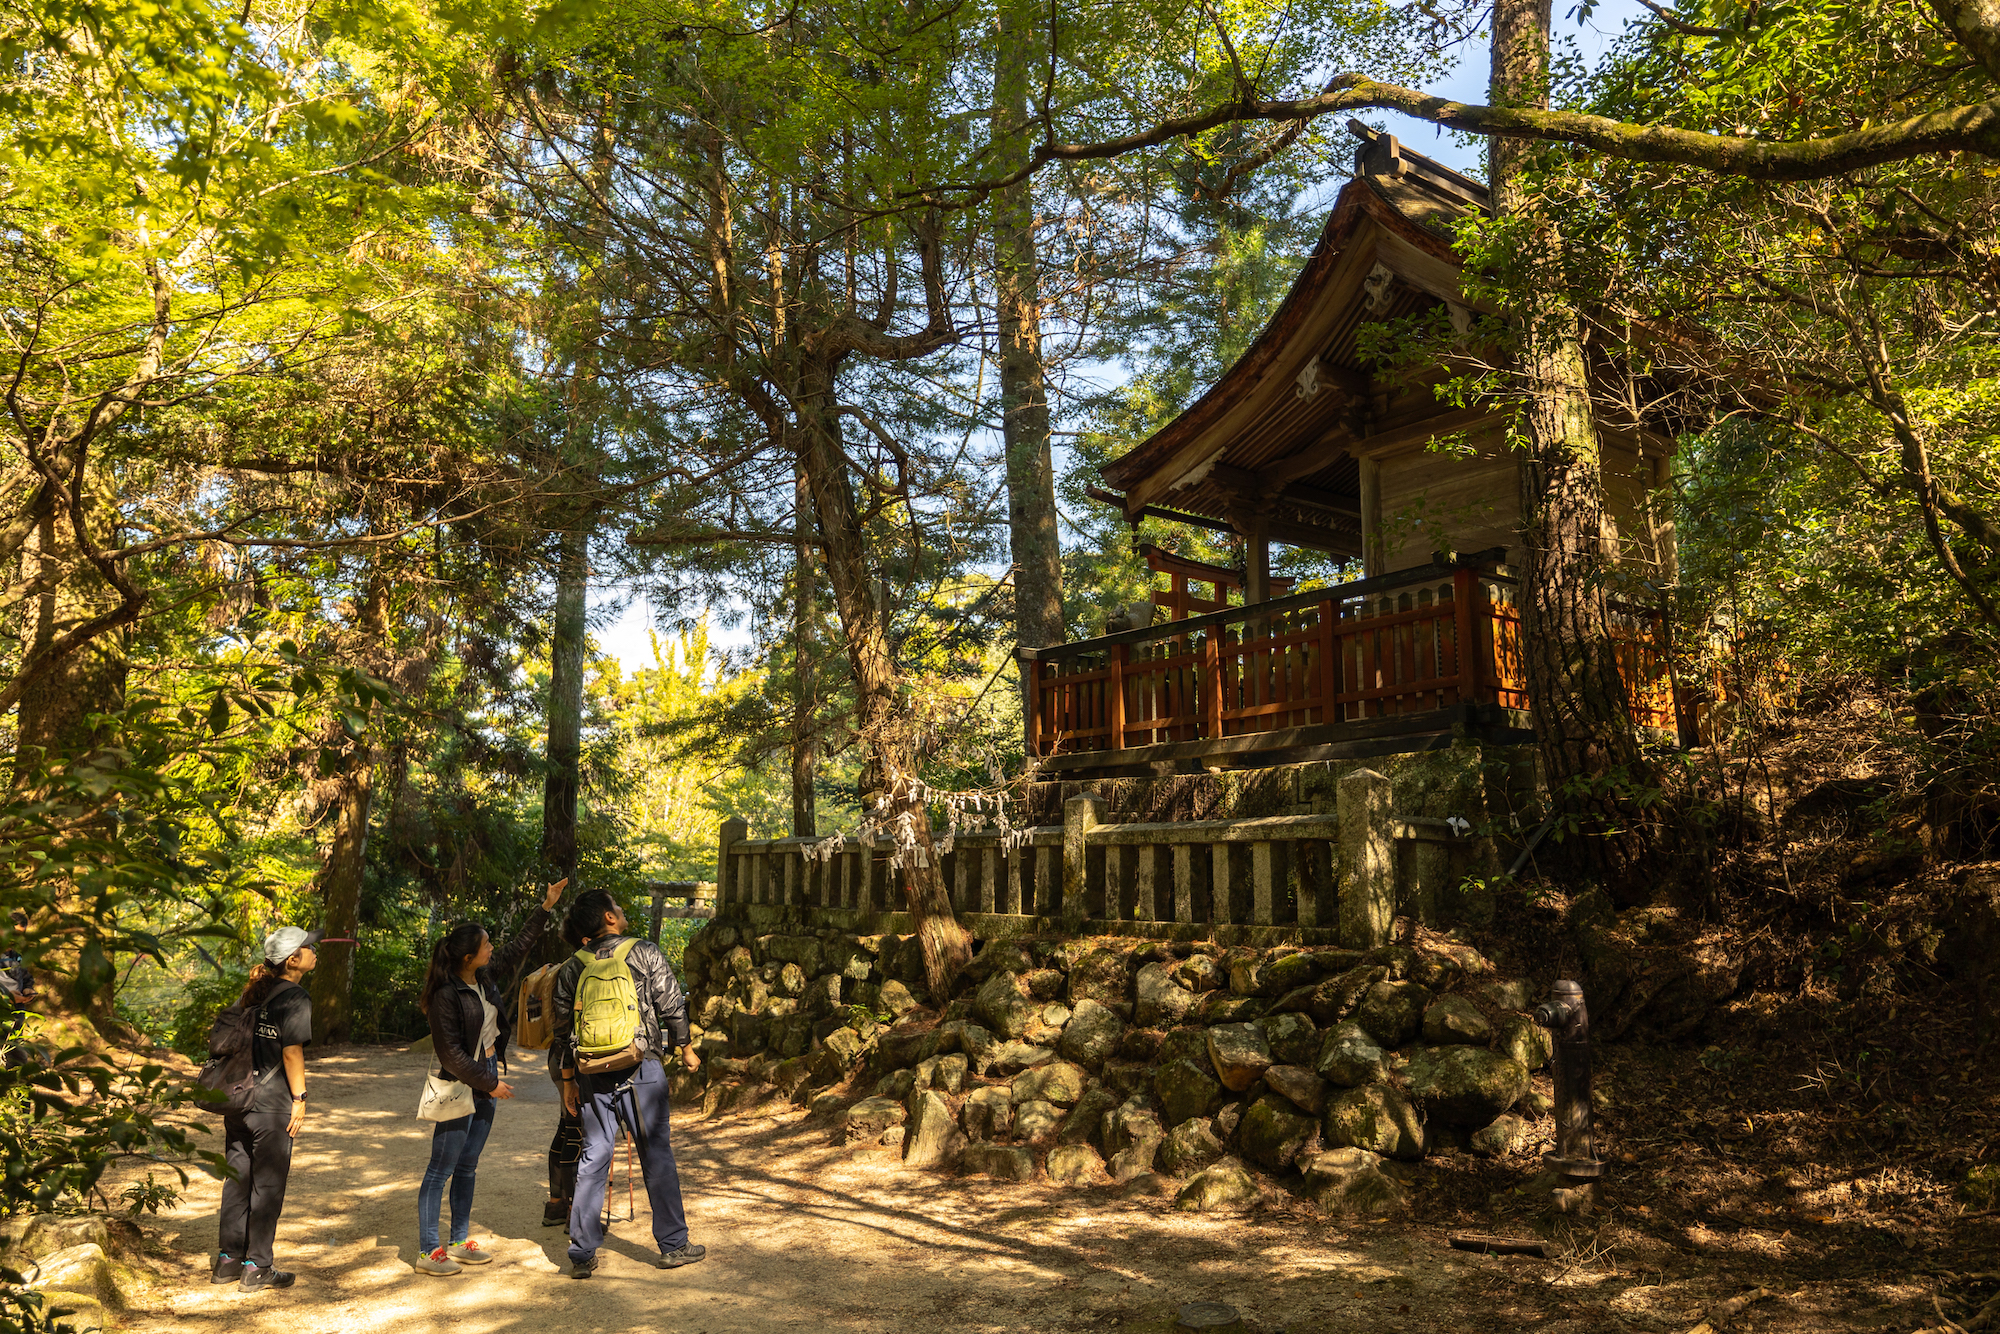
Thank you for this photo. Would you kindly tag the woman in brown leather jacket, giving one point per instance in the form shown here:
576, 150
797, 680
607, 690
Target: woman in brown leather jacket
470, 1027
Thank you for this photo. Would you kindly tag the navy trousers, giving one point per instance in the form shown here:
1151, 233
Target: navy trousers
638, 1098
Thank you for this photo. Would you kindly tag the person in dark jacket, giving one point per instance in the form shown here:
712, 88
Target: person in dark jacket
637, 1095
470, 1026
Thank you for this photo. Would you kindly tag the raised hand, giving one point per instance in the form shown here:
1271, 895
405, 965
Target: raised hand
555, 892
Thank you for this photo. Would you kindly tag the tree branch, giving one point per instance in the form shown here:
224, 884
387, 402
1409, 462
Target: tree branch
1970, 129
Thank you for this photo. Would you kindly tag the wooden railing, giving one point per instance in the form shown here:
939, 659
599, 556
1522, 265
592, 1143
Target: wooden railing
1415, 642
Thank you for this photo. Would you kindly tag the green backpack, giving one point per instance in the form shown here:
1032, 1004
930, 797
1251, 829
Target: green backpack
607, 1012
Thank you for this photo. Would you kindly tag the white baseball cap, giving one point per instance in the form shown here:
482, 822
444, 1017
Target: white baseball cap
286, 941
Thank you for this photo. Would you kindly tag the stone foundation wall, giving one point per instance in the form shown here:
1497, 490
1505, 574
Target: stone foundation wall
1477, 782
1106, 1059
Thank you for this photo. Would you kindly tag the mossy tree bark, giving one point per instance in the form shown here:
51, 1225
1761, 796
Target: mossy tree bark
348, 796
1024, 403
565, 707
1581, 712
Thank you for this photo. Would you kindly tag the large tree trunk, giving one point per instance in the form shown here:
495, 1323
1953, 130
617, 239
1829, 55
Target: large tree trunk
1582, 717
54, 719
56, 727
881, 721
353, 802
805, 736
1024, 403
565, 707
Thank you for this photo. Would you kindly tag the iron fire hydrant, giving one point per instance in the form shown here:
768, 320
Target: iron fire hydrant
1568, 1022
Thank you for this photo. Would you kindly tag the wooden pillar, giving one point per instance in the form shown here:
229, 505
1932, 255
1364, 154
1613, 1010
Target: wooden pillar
1031, 670
1183, 882
1374, 559
1464, 586
1256, 559
1211, 682
1114, 713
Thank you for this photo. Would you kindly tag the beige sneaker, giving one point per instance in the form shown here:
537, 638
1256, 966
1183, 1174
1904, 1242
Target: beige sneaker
468, 1253
439, 1261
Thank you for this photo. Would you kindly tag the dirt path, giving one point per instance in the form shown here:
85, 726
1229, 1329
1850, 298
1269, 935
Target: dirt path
804, 1235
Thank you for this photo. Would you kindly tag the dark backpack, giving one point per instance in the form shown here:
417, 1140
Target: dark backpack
231, 1070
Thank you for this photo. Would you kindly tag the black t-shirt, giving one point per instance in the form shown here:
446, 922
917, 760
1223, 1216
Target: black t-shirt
286, 1021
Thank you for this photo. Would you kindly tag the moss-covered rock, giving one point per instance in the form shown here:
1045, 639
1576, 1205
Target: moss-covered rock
1092, 1035
1340, 996
1526, 1041
1377, 1118
1075, 1165
1003, 1162
1186, 1090
1162, 1000
1274, 1132
1351, 1181
1293, 1038
1299, 1086
1222, 1186
1085, 1122
1239, 1055
988, 1113
1005, 1005
1455, 1019
931, 1136
1103, 975
1393, 1011
1464, 1086
1058, 1082
1190, 1146
1350, 1057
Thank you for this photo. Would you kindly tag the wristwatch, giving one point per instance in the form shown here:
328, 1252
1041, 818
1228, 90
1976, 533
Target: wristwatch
298, 1097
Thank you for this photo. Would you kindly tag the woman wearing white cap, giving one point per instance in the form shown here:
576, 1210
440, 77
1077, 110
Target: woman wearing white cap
258, 1143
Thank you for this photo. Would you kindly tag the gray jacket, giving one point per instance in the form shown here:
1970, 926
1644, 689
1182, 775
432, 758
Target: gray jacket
662, 1007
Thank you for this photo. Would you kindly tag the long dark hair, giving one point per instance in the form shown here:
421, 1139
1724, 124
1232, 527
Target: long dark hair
585, 921
264, 979
459, 944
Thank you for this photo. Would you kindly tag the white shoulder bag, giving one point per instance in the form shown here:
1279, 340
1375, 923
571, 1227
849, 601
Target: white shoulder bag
444, 1099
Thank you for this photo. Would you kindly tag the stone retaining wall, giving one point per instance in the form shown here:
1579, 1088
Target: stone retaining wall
1107, 1059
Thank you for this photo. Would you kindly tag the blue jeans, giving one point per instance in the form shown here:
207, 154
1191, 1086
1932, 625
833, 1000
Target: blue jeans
637, 1097
455, 1149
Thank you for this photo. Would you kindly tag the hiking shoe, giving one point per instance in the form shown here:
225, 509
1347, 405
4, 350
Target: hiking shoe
583, 1268
438, 1261
468, 1253
256, 1279
225, 1270
555, 1213
686, 1255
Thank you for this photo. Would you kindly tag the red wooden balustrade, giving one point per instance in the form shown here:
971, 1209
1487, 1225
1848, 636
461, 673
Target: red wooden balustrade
1409, 643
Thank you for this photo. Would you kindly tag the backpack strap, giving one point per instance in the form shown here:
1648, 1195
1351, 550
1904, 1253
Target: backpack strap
624, 949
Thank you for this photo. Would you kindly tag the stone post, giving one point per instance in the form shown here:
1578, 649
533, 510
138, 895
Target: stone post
1081, 814
1368, 860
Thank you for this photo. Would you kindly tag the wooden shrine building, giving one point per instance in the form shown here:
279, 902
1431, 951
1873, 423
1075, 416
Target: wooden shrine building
1307, 442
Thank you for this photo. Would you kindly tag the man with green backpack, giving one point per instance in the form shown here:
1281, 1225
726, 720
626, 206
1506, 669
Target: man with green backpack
617, 1012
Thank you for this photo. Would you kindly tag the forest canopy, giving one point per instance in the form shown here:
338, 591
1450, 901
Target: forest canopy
361, 361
